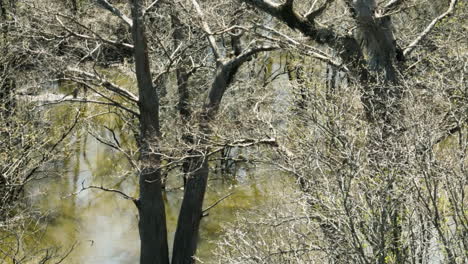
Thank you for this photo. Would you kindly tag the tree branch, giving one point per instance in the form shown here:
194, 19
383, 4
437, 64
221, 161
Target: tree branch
429, 28
147, 9
207, 30
346, 46
312, 15
303, 48
117, 147
247, 54
286, 14
116, 12
98, 37
204, 211
225, 75
122, 194
75, 100
391, 5
108, 85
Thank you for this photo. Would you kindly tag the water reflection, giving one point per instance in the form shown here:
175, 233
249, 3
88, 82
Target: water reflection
104, 226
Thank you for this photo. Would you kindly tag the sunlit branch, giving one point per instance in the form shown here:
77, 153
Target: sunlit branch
207, 30
429, 28
117, 147
153, 4
116, 11
76, 100
311, 15
205, 211
108, 85
82, 36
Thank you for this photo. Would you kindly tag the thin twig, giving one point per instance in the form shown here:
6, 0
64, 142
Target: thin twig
150, 6
216, 203
122, 194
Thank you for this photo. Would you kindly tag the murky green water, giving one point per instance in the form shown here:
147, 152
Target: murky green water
103, 226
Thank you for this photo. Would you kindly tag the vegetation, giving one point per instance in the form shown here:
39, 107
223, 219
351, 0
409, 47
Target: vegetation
362, 103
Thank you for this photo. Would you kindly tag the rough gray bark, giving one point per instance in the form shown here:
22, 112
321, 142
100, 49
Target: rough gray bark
381, 98
381, 94
152, 222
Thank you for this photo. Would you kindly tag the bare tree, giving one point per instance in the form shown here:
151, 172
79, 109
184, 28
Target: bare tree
152, 82
367, 153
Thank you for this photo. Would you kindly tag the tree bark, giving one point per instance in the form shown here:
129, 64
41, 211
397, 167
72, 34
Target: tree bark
381, 94
75, 6
182, 73
2, 10
186, 236
152, 222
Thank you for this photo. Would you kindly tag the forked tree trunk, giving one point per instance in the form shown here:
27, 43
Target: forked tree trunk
186, 236
152, 225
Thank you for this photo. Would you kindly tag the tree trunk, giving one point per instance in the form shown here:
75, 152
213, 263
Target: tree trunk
74, 6
2, 10
152, 222
186, 236
381, 95
182, 74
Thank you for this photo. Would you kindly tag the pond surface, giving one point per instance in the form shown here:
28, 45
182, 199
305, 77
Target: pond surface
103, 227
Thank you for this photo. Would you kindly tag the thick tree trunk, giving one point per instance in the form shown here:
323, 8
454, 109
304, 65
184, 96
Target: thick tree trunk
186, 236
152, 222
381, 95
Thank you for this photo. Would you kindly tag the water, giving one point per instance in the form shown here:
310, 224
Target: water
103, 227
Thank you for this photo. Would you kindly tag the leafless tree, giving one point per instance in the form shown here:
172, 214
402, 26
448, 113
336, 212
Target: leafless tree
367, 152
